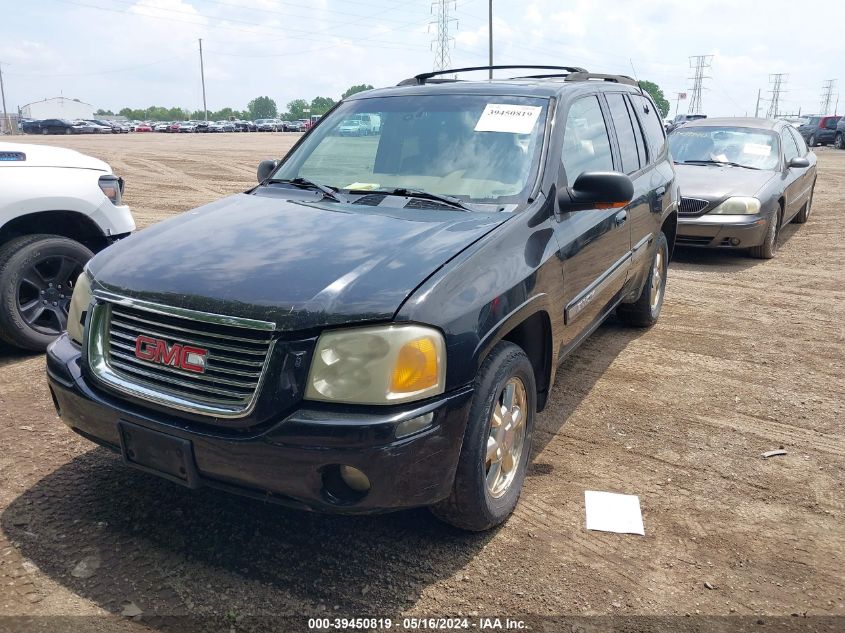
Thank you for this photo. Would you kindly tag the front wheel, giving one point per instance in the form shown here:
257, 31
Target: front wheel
839, 142
812, 140
804, 213
37, 277
497, 443
646, 310
769, 247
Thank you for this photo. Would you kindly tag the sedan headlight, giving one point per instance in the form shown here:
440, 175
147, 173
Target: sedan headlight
738, 206
79, 303
112, 187
378, 365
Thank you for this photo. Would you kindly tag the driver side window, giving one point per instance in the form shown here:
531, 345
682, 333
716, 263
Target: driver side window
586, 143
790, 149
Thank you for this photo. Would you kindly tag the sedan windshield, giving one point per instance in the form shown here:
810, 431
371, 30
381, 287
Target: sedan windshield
745, 147
473, 147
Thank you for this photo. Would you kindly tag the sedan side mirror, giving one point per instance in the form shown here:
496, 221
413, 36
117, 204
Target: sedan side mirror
597, 190
799, 162
265, 168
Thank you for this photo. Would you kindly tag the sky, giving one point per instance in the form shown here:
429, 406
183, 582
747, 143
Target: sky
137, 53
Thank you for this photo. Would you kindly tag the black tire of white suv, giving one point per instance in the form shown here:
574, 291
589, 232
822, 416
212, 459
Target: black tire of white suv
48, 266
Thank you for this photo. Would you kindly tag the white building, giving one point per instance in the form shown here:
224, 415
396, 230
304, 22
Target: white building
58, 108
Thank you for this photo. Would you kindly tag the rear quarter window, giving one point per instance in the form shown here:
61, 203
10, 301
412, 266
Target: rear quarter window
652, 127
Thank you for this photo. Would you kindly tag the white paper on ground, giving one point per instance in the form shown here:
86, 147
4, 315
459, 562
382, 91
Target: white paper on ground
612, 512
500, 117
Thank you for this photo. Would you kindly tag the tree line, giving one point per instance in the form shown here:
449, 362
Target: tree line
266, 108
258, 108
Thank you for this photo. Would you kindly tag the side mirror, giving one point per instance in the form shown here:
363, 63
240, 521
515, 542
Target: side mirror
597, 190
265, 168
799, 162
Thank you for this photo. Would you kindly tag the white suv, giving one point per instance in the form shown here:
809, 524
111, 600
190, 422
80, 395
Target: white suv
57, 207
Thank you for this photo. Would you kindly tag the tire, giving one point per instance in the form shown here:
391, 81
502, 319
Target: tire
44, 130
37, 275
812, 140
645, 311
67, 130
769, 247
473, 504
804, 213
839, 141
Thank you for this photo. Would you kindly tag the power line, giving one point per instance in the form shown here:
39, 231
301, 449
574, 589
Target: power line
778, 81
443, 42
699, 63
827, 96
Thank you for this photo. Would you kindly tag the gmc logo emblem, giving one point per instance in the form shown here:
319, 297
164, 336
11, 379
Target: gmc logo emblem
155, 350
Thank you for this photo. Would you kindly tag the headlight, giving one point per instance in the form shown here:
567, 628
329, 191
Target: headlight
738, 206
378, 365
79, 303
112, 187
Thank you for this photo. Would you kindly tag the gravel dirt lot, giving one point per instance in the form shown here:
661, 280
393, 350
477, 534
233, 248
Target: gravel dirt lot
748, 356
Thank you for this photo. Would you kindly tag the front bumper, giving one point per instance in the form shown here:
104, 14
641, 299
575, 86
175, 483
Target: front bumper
722, 231
290, 461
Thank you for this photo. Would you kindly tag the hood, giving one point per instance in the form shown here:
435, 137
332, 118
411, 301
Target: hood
298, 262
712, 182
47, 156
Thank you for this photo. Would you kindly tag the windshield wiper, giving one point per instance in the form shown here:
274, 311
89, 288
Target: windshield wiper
427, 195
304, 183
715, 162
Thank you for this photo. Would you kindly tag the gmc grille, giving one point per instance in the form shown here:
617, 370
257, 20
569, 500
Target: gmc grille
693, 206
234, 365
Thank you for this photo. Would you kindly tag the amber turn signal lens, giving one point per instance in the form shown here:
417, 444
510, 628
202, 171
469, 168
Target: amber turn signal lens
416, 367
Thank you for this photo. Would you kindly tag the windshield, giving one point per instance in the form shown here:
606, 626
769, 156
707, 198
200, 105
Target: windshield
744, 146
474, 147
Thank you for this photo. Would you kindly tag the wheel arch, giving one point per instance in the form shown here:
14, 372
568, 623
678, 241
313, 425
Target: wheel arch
669, 228
530, 328
71, 224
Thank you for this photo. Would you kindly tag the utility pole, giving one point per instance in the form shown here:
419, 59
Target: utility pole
491, 38
202, 77
778, 82
757, 108
827, 96
442, 43
6, 117
699, 63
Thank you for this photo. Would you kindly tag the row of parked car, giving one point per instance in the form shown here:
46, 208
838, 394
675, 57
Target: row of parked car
65, 126
100, 126
815, 130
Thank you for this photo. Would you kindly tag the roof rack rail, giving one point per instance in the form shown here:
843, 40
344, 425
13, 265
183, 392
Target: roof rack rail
422, 78
585, 76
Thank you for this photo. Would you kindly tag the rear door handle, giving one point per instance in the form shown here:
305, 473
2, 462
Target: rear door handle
621, 217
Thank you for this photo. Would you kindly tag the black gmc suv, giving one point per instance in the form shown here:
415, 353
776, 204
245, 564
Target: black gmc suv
374, 326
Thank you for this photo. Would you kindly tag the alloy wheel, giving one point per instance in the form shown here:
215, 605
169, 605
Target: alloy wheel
44, 293
657, 274
506, 438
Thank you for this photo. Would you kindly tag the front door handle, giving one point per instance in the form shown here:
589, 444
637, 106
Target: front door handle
621, 217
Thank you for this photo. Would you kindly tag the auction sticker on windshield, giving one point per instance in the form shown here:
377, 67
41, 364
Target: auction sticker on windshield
516, 119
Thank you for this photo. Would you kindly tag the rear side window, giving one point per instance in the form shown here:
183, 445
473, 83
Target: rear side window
790, 149
586, 144
652, 126
625, 132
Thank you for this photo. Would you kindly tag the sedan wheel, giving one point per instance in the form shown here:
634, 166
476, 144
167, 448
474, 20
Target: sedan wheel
839, 142
812, 140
